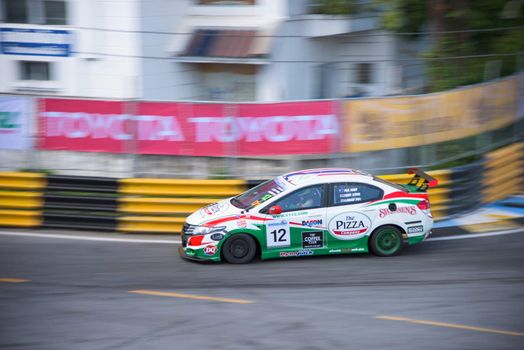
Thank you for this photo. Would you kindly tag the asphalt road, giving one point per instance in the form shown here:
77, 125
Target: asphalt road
460, 294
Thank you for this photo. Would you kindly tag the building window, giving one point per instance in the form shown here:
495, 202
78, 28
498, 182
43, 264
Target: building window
15, 11
364, 72
50, 12
226, 2
35, 70
227, 82
55, 12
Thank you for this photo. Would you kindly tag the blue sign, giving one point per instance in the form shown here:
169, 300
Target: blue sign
35, 42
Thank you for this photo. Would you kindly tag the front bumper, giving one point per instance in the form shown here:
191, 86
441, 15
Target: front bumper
196, 254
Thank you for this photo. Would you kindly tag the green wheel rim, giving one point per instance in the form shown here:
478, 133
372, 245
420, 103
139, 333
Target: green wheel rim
388, 241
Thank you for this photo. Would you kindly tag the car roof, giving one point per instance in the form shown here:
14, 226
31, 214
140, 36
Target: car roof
323, 175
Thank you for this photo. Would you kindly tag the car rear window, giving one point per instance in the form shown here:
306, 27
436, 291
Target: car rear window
391, 184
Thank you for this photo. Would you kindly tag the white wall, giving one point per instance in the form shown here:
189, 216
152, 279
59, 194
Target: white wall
105, 63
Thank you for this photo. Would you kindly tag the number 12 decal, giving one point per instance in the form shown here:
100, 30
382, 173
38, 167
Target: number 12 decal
277, 234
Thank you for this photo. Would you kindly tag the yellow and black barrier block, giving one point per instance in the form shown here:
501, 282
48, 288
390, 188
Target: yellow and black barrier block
21, 198
503, 172
466, 193
162, 205
22, 181
181, 187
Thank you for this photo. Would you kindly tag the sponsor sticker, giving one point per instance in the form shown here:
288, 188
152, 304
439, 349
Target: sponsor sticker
411, 210
242, 223
210, 250
313, 239
349, 226
416, 229
291, 214
213, 209
278, 234
312, 223
296, 254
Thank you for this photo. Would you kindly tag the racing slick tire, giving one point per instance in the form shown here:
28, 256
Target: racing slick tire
239, 249
386, 241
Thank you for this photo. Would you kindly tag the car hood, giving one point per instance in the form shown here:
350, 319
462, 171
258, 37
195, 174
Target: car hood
212, 212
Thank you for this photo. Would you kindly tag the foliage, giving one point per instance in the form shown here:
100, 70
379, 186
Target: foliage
458, 34
35, 170
335, 7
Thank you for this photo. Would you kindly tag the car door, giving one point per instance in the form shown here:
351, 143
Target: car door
301, 225
349, 219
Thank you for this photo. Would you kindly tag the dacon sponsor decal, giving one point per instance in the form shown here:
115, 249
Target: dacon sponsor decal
312, 223
349, 225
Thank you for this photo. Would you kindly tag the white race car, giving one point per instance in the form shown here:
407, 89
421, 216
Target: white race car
312, 212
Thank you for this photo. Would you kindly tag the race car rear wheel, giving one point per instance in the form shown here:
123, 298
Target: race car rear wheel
239, 249
386, 241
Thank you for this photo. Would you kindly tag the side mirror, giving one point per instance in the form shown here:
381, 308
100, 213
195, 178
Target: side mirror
275, 210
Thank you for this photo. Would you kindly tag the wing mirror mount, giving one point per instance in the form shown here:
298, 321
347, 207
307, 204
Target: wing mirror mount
275, 210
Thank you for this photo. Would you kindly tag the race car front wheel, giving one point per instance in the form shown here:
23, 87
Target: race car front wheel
386, 241
239, 249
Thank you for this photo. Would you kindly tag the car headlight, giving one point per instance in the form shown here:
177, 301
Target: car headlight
204, 230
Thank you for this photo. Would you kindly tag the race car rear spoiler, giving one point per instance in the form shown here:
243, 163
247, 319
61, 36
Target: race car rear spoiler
427, 180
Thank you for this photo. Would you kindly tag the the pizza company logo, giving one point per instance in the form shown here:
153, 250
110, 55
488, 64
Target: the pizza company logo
411, 210
210, 250
349, 225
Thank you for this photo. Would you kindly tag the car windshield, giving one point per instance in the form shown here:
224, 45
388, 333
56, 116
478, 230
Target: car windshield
259, 194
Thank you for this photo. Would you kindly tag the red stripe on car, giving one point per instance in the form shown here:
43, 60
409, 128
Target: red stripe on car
234, 217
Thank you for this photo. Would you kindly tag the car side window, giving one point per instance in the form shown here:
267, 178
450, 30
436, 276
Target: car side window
353, 193
305, 198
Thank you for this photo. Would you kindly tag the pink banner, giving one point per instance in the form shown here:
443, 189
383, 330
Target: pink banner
197, 129
83, 125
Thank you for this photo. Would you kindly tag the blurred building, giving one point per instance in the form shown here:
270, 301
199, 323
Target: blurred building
235, 50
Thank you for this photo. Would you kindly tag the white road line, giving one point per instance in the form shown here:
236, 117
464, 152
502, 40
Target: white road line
476, 235
177, 241
89, 238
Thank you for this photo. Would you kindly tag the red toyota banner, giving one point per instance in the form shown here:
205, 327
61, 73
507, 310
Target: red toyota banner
198, 129
83, 125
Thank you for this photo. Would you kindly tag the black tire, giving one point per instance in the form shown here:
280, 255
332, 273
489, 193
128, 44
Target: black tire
386, 241
239, 249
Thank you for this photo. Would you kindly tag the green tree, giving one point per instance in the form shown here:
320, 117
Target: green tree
491, 30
